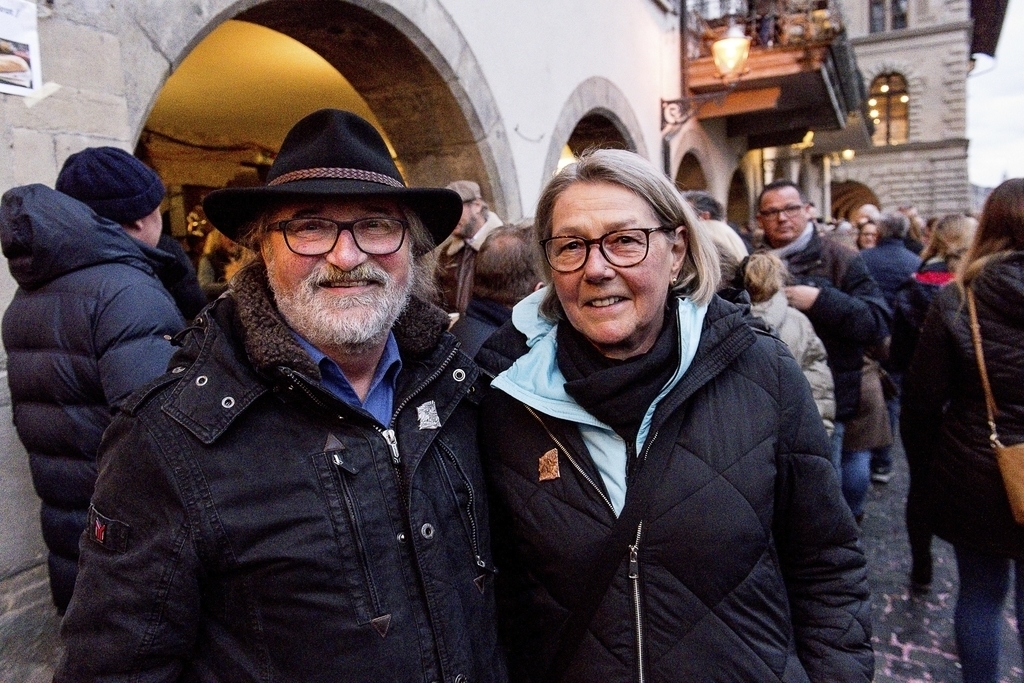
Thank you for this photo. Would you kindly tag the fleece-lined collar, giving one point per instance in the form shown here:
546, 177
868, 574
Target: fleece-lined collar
269, 343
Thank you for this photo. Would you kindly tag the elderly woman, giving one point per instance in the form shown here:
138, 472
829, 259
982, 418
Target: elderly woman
666, 508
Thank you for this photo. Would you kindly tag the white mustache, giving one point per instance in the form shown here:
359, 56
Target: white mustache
328, 275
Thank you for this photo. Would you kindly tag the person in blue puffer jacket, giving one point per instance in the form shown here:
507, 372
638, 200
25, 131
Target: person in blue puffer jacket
89, 324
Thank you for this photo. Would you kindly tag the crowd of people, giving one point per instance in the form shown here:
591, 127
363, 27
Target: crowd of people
382, 435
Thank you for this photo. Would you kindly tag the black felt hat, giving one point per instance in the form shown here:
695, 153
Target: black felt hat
332, 154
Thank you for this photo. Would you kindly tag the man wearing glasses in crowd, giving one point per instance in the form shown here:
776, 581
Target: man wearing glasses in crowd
832, 287
300, 497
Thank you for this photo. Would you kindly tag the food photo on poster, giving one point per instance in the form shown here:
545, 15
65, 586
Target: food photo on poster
19, 48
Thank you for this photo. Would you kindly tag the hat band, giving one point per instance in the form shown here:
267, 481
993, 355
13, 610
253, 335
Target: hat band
337, 173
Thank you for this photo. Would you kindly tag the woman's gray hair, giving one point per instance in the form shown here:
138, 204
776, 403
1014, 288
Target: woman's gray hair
699, 275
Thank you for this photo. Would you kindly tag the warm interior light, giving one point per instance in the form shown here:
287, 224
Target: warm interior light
848, 154
884, 88
873, 113
904, 99
872, 102
730, 53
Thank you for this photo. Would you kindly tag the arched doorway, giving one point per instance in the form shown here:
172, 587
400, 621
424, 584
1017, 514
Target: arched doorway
596, 131
737, 208
690, 175
848, 196
387, 72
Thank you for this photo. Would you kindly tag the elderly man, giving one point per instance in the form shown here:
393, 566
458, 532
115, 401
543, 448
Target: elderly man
300, 498
834, 289
455, 258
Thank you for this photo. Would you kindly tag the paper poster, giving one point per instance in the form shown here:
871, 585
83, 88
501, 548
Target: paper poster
19, 48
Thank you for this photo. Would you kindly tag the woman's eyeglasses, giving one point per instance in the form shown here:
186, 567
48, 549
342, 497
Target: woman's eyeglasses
622, 248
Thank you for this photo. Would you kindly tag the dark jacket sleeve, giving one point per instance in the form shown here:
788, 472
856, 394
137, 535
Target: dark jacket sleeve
131, 337
926, 388
854, 310
136, 602
822, 562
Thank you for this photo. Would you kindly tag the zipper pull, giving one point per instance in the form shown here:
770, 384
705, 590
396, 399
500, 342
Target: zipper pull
634, 565
389, 436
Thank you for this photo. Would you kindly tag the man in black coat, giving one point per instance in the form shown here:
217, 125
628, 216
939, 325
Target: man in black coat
89, 324
300, 497
832, 288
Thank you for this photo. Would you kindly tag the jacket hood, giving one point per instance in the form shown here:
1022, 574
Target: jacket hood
1001, 286
46, 234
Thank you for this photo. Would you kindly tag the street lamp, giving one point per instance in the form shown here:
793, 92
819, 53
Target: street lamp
730, 53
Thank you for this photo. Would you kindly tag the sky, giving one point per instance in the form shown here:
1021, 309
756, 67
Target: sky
995, 106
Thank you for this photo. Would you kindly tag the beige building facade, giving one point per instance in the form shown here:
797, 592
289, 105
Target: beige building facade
924, 164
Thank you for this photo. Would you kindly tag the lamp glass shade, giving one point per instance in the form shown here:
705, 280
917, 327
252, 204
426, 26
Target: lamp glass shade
730, 53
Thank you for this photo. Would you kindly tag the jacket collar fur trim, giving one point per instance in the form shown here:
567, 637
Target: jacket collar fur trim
270, 344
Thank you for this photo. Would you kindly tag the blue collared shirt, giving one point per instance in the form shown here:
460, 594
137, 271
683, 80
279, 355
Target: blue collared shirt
380, 398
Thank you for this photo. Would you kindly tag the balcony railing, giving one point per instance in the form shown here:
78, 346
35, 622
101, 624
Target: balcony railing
769, 24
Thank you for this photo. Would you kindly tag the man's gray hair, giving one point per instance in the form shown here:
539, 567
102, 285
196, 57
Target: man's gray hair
699, 275
893, 226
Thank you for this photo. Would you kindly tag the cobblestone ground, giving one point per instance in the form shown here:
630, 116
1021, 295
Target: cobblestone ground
913, 635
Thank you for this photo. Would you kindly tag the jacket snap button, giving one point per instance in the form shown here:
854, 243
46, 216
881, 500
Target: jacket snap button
228, 402
459, 374
427, 531
177, 370
201, 380
401, 537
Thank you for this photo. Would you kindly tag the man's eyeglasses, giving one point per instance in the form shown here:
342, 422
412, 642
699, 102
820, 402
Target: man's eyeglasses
622, 248
317, 236
792, 211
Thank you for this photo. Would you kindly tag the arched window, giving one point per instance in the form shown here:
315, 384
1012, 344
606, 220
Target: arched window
888, 107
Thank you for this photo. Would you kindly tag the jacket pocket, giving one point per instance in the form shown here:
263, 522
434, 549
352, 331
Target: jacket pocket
467, 500
337, 477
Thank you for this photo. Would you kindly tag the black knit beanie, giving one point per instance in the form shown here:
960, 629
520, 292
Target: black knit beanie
112, 182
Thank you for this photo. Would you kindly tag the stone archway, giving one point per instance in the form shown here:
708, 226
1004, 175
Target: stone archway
737, 207
604, 114
406, 58
596, 130
690, 174
850, 195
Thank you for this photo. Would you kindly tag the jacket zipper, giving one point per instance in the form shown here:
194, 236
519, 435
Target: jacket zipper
392, 438
634, 550
470, 505
634, 577
364, 559
572, 460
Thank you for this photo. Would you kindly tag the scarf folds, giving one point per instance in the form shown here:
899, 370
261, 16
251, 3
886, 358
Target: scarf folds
536, 380
617, 392
796, 245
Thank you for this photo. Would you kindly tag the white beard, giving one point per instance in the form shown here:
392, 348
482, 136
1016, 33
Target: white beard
352, 323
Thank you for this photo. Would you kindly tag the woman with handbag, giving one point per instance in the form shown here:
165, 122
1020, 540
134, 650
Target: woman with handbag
665, 508
977, 400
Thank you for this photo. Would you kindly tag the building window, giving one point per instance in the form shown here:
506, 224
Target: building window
887, 15
888, 107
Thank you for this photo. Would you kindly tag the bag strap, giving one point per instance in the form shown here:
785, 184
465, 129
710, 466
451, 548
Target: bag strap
990, 401
601, 572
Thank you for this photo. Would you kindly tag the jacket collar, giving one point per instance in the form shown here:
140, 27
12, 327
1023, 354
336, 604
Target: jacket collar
216, 386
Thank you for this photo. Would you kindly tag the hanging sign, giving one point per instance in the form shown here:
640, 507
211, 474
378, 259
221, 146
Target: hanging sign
19, 48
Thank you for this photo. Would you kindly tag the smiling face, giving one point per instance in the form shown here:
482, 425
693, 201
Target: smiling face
619, 310
867, 236
344, 299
